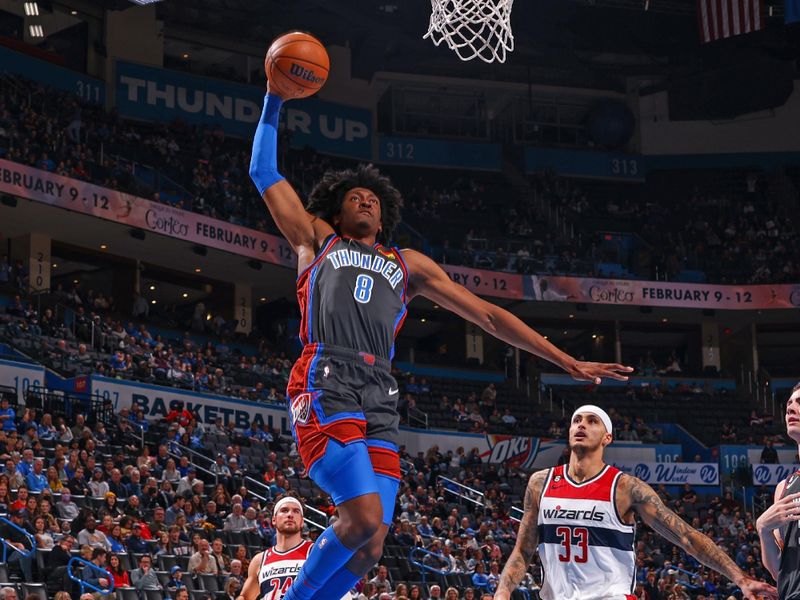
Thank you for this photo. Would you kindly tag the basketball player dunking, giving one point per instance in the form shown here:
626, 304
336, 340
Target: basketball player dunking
777, 526
353, 293
581, 516
273, 571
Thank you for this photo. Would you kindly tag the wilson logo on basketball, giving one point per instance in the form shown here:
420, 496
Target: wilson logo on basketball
306, 74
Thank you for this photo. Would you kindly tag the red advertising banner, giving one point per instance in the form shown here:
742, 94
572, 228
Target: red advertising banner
488, 283
79, 196
663, 293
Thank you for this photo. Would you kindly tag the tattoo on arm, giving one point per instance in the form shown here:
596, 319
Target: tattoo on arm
527, 536
646, 503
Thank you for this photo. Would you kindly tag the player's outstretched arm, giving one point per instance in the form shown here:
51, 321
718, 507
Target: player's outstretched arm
302, 230
783, 511
250, 589
429, 279
644, 501
527, 539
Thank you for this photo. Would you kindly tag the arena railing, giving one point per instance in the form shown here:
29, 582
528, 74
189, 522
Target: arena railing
75, 560
417, 416
93, 406
423, 568
8, 546
264, 494
474, 496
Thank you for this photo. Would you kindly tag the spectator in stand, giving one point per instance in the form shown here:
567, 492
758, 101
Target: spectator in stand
93, 537
118, 574
134, 542
7, 415
236, 520
769, 455
144, 578
36, 479
201, 562
14, 537
93, 576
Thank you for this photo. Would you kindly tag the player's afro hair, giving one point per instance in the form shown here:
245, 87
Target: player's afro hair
325, 200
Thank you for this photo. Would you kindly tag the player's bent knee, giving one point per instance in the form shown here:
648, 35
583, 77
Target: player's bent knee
359, 520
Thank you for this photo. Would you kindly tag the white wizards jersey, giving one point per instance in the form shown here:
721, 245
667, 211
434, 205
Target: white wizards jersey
587, 552
279, 570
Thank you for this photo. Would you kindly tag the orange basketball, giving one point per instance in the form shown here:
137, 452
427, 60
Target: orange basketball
297, 65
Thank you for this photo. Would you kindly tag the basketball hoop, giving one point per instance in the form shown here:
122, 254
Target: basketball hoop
473, 28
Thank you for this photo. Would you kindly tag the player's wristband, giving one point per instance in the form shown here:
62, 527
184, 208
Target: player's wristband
264, 159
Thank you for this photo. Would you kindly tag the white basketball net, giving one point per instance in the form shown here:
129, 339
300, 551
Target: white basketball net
473, 28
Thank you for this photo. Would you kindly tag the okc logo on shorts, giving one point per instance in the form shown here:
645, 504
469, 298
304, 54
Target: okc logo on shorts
301, 409
642, 471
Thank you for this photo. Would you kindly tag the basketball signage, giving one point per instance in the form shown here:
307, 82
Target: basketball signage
153, 94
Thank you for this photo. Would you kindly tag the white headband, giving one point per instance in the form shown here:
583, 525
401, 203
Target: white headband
597, 411
286, 500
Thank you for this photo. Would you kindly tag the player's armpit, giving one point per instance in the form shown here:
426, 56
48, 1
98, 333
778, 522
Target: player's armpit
645, 502
527, 538
303, 231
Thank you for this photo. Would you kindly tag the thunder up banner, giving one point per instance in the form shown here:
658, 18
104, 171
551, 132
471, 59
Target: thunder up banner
663, 293
153, 94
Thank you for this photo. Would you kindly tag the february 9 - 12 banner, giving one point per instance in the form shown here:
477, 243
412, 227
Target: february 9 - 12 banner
623, 292
79, 196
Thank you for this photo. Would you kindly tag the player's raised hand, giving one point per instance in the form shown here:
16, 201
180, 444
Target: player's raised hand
781, 512
595, 372
758, 590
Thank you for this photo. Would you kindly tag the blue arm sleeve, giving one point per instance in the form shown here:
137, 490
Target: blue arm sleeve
264, 160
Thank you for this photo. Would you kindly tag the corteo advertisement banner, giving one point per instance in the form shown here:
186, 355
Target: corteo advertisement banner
664, 293
488, 283
79, 196
675, 473
153, 94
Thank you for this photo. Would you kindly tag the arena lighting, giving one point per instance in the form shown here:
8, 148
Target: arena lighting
145, 2
31, 9
36, 31
262, 299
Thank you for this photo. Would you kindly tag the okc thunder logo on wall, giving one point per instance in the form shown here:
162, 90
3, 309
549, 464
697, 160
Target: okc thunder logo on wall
519, 452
